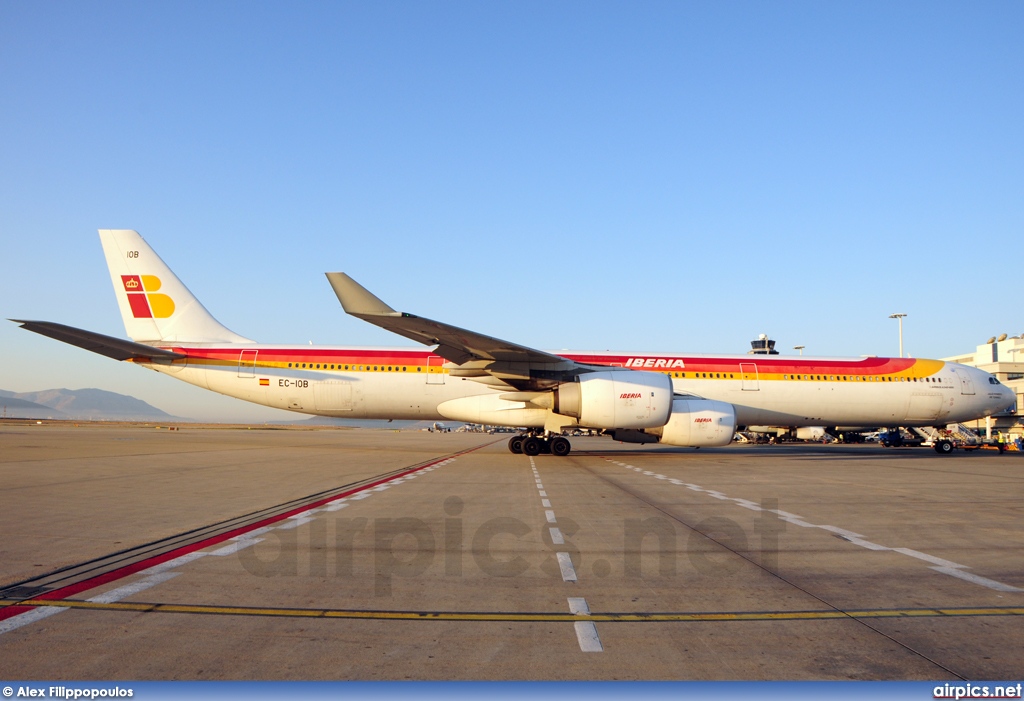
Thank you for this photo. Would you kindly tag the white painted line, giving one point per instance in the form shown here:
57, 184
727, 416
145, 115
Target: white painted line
550, 516
586, 631
577, 604
293, 523
336, 507
24, 619
975, 579
543, 493
556, 536
253, 534
540, 486
133, 588
361, 495
565, 564
538, 481
232, 548
867, 544
944, 566
176, 562
304, 514
926, 557
545, 503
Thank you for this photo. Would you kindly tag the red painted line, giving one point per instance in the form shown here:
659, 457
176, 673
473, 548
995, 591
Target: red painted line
128, 570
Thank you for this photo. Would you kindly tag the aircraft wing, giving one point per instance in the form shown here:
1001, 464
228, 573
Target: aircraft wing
115, 348
477, 353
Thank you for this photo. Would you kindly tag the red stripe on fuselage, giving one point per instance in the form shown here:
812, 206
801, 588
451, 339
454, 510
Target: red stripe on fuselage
765, 364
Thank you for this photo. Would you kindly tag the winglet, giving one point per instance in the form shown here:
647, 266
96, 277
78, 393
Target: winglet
356, 299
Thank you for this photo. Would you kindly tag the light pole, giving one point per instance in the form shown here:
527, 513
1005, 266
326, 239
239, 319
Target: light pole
799, 348
900, 317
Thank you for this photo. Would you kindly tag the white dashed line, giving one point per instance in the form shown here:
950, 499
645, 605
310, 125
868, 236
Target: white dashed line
550, 516
545, 503
586, 631
565, 564
556, 536
952, 569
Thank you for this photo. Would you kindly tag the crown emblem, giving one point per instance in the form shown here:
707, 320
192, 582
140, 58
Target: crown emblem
131, 284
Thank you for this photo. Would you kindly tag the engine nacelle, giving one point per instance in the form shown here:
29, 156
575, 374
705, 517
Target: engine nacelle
698, 422
617, 399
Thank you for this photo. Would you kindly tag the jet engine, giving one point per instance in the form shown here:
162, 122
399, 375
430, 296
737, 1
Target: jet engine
617, 399
697, 423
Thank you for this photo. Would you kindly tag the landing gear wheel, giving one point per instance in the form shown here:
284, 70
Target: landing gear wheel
560, 446
515, 444
944, 447
531, 446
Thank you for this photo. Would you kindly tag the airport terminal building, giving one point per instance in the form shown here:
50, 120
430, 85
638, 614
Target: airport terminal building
1004, 358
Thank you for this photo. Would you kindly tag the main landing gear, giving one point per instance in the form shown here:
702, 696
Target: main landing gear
535, 445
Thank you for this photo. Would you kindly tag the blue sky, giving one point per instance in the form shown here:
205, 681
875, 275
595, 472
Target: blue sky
634, 176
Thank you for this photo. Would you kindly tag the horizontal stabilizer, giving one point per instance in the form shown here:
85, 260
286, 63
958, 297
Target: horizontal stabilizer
116, 348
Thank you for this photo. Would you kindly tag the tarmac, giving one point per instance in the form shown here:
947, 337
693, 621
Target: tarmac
208, 553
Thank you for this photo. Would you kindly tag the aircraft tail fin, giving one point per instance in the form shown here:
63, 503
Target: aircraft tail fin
155, 305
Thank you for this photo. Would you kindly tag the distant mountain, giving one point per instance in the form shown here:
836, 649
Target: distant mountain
94, 404
13, 408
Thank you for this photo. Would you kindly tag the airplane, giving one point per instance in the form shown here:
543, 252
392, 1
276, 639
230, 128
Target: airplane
679, 400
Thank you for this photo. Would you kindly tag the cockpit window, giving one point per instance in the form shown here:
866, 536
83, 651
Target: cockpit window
993, 381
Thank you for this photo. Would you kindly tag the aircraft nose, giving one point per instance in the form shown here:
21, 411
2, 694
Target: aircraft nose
1009, 397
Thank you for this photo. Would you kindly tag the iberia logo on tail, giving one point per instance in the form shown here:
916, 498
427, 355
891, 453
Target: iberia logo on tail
144, 302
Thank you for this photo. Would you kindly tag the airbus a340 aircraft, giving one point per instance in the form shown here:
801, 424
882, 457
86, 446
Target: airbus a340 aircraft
682, 400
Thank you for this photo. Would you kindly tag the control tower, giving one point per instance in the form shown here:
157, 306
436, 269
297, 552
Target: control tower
762, 346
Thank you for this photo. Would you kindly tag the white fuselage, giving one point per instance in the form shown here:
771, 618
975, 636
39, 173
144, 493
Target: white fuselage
410, 384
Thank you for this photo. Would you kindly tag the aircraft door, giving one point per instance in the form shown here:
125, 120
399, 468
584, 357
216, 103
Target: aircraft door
435, 373
748, 377
247, 363
966, 384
